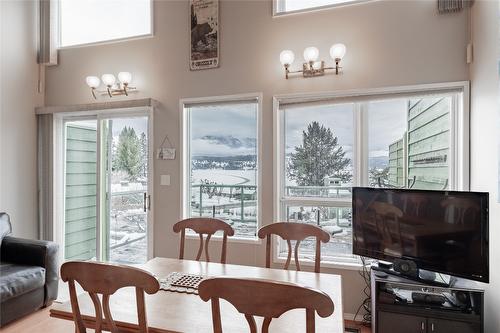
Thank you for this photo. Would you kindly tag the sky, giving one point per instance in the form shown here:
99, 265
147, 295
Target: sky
103, 20
139, 124
302, 4
386, 124
236, 120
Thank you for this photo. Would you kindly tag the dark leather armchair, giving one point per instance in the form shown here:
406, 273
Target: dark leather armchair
28, 274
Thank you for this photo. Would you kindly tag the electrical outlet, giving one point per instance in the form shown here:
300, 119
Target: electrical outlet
165, 180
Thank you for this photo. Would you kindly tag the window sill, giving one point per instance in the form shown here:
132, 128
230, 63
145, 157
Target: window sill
109, 41
233, 239
342, 265
277, 13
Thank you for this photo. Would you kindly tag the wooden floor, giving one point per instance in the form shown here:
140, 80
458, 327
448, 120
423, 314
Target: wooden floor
41, 322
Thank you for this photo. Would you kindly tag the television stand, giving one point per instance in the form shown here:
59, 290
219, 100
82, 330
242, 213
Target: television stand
461, 309
390, 271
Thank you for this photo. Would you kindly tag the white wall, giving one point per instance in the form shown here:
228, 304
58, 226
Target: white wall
485, 121
389, 43
19, 80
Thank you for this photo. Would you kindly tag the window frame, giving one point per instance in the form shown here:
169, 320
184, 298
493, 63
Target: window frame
459, 146
103, 42
279, 6
59, 135
185, 163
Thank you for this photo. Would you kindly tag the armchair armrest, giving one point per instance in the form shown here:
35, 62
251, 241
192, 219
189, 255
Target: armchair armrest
34, 253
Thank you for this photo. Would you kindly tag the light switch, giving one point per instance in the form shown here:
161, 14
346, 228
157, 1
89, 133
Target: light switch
165, 180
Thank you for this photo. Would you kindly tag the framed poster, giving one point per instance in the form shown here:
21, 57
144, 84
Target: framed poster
498, 100
204, 34
498, 120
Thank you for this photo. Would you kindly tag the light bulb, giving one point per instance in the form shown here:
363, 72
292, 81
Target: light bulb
286, 57
108, 79
337, 51
124, 77
311, 54
93, 81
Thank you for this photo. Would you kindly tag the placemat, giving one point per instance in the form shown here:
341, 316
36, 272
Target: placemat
181, 282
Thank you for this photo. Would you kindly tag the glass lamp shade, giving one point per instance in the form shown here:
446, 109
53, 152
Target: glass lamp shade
286, 57
93, 81
337, 51
311, 54
108, 79
124, 77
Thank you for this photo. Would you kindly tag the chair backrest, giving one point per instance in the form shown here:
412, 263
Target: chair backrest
105, 279
414, 204
294, 231
456, 210
387, 219
263, 298
204, 226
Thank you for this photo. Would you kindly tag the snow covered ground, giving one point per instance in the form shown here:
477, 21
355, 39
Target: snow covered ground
128, 222
226, 177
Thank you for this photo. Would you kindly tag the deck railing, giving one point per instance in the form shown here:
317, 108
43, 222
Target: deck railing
231, 200
235, 199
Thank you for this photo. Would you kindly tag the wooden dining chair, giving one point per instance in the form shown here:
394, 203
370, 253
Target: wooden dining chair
264, 298
204, 226
105, 279
460, 210
294, 231
387, 218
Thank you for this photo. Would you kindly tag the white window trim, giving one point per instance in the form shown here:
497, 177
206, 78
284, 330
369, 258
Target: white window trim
109, 41
279, 7
459, 149
185, 163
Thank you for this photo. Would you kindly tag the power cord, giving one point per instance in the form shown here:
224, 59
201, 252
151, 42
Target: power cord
366, 304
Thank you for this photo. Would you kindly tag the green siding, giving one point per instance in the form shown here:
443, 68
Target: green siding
427, 147
429, 142
396, 163
80, 182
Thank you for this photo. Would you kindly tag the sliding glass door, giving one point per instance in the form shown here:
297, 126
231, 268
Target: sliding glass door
126, 189
106, 188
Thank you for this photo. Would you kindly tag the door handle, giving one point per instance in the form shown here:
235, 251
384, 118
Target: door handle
422, 326
146, 202
432, 327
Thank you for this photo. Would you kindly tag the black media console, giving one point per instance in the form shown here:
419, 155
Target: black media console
401, 305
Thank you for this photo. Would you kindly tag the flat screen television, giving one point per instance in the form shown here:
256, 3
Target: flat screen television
441, 231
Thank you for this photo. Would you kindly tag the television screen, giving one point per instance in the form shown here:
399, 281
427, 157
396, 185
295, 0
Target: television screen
441, 231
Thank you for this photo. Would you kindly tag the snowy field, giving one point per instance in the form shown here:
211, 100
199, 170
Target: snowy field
128, 240
225, 177
228, 208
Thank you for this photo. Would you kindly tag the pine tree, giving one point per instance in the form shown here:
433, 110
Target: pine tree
128, 153
319, 156
144, 154
378, 176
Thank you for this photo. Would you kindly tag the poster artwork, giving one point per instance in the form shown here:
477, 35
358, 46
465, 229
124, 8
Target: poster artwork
204, 34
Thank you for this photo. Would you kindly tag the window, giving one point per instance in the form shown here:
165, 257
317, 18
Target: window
220, 162
92, 21
327, 145
292, 6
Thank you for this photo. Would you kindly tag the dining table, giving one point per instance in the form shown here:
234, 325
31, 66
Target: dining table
174, 311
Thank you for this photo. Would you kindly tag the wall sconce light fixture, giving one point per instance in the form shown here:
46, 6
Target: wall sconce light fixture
112, 88
312, 67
